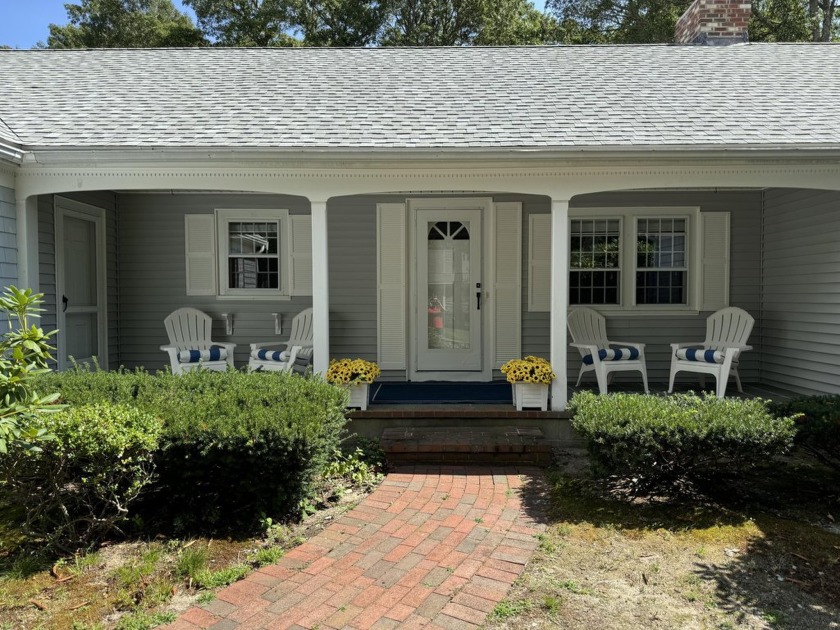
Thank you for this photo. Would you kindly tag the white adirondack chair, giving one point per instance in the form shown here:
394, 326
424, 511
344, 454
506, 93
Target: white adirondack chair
727, 332
190, 346
298, 347
600, 355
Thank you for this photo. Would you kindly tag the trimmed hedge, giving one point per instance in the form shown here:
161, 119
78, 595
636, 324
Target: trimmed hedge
77, 487
662, 442
235, 446
818, 423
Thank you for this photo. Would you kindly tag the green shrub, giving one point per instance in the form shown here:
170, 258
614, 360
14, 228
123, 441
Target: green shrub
78, 487
818, 424
235, 445
24, 354
663, 442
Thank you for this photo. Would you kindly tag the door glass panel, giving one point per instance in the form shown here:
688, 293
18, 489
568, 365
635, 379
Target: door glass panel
81, 335
80, 261
449, 292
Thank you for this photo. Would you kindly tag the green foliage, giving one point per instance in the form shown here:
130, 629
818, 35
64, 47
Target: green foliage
192, 561
237, 23
124, 24
265, 556
222, 577
779, 21
660, 443
339, 22
235, 445
24, 354
818, 424
145, 621
78, 487
617, 21
353, 468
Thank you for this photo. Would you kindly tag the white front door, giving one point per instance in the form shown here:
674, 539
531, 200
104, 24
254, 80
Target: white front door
80, 283
448, 290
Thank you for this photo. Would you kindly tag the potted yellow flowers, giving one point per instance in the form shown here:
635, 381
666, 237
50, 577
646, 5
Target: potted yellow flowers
356, 375
530, 378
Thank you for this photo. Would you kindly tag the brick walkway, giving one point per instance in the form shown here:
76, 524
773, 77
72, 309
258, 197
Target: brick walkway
432, 547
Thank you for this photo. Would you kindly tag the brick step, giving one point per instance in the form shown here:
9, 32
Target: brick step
460, 445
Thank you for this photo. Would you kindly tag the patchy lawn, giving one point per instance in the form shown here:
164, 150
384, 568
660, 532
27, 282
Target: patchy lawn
138, 585
762, 552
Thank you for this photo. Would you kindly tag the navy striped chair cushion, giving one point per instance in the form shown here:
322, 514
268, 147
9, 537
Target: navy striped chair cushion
613, 354
700, 355
270, 355
214, 353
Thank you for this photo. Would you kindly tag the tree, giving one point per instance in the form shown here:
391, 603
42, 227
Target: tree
617, 21
124, 24
779, 21
340, 22
465, 22
246, 22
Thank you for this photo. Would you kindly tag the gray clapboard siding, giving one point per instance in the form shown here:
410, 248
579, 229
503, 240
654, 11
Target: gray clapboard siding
153, 276
660, 330
801, 301
8, 237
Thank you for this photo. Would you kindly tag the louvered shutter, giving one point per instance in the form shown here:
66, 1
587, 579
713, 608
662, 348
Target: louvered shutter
301, 254
200, 247
508, 272
539, 263
391, 285
714, 230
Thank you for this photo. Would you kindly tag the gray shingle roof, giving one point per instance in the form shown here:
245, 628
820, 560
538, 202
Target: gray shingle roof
580, 97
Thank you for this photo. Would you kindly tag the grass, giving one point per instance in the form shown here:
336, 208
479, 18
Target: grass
759, 552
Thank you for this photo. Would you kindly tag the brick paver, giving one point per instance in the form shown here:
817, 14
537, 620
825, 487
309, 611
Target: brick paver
433, 546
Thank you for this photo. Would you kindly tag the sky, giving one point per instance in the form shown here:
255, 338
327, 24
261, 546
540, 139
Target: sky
24, 23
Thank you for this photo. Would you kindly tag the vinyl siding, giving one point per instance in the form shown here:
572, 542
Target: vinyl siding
153, 276
46, 262
801, 301
8, 232
658, 331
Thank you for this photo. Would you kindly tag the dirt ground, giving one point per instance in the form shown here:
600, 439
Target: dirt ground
734, 561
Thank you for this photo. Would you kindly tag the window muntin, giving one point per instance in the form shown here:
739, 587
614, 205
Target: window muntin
661, 262
595, 265
253, 255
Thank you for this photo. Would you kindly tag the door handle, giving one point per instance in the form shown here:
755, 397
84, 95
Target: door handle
64, 302
478, 296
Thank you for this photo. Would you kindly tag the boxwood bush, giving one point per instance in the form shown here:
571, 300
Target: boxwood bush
665, 443
818, 424
77, 487
235, 446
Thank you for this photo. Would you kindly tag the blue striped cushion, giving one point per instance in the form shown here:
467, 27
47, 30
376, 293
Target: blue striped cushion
701, 355
214, 353
270, 355
613, 354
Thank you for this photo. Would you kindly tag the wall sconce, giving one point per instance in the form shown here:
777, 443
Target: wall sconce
228, 319
278, 328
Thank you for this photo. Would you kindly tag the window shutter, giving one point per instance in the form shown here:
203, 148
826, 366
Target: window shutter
714, 230
508, 273
391, 285
301, 254
539, 263
200, 231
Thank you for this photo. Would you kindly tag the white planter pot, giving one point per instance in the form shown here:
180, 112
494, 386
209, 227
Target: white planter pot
358, 395
530, 395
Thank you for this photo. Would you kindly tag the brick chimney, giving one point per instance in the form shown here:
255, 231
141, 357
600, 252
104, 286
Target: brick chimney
714, 22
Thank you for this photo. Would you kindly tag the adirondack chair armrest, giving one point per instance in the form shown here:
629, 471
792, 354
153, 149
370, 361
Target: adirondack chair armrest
629, 344
169, 347
586, 346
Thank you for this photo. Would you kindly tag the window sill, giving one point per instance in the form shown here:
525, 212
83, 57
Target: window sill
251, 297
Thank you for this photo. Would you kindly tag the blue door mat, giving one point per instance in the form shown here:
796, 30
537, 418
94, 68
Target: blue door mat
496, 392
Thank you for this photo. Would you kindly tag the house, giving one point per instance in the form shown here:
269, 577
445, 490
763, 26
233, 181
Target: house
441, 208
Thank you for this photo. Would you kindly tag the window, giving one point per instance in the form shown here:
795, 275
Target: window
253, 252
632, 258
635, 260
595, 265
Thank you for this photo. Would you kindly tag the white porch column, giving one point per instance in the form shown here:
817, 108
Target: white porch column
320, 289
559, 300
27, 243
